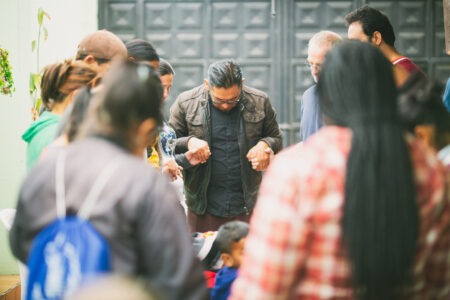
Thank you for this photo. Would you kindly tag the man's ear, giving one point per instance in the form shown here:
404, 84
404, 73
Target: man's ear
377, 38
90, 59
227, 260
206, 84
243, 80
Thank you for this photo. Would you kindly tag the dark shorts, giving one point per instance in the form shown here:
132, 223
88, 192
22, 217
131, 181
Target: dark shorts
208, 222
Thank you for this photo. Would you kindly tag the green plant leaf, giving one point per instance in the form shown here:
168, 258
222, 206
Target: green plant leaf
40, 16
37, 80
32, 86
33, 46
38, 104
45, 34
47, 15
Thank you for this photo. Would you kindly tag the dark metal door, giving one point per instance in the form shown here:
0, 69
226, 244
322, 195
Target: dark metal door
271, 50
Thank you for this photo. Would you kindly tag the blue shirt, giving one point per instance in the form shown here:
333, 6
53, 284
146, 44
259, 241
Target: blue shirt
224, 280
447, 95
311, 116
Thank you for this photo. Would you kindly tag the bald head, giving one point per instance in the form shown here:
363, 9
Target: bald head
324, 38
318, 47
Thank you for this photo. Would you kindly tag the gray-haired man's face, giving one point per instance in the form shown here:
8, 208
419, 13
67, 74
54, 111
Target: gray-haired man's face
316, 58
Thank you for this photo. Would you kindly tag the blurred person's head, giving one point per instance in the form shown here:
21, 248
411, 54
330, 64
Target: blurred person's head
114, 287
60, 81
127, 109
142, 51
230, 240
224, 84
380, 219
368, 24
100, 48
318, 47
423, 112
166, 74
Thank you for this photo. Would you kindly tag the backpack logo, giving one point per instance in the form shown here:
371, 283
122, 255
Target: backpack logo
57, 255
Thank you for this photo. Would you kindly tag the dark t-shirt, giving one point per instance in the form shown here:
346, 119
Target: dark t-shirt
225, 194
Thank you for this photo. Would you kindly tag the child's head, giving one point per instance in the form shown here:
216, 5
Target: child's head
423, 111
230, 240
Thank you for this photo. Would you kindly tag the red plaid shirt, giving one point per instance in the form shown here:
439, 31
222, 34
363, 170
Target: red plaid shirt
294, 247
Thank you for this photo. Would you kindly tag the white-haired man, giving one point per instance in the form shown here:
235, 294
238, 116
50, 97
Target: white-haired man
311, 116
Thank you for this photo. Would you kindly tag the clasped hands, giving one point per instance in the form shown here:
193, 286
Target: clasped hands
198, 153
259, 156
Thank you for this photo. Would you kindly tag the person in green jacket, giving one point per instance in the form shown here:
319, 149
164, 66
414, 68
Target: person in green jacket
60, 82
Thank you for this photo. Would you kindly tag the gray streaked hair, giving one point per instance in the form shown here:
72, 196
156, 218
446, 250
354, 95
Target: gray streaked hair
224, 74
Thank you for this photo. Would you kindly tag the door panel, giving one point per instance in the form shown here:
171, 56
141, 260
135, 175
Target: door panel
272, 51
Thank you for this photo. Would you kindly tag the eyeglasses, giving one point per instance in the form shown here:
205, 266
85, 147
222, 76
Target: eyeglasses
219, 102
311, 66
100, 61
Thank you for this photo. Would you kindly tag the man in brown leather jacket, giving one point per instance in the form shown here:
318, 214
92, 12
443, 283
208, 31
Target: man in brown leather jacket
234, 130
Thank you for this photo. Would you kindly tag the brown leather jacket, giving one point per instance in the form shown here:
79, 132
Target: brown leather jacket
190, 117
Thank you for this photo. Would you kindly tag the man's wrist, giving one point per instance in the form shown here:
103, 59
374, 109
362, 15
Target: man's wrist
189, 138
264, 144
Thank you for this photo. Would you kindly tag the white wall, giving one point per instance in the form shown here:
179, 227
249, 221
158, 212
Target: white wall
70, 21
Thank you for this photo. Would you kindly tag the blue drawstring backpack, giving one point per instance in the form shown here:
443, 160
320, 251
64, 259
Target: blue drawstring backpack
69, 251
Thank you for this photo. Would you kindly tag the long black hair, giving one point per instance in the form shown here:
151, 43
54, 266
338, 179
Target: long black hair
380, 223
165, 68
141, 50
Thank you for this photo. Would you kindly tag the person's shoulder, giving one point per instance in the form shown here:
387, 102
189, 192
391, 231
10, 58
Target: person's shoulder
408, 65
37, 181
99, 152
192, 94
327, 148
254, 92
132, 173
310, 95
311, 91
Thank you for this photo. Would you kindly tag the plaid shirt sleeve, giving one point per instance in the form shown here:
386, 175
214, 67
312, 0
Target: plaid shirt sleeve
277, 244
437, 269
432, 266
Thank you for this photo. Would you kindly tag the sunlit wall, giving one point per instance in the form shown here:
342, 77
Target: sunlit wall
70, 21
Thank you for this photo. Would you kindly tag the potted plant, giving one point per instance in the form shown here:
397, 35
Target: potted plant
6, 80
